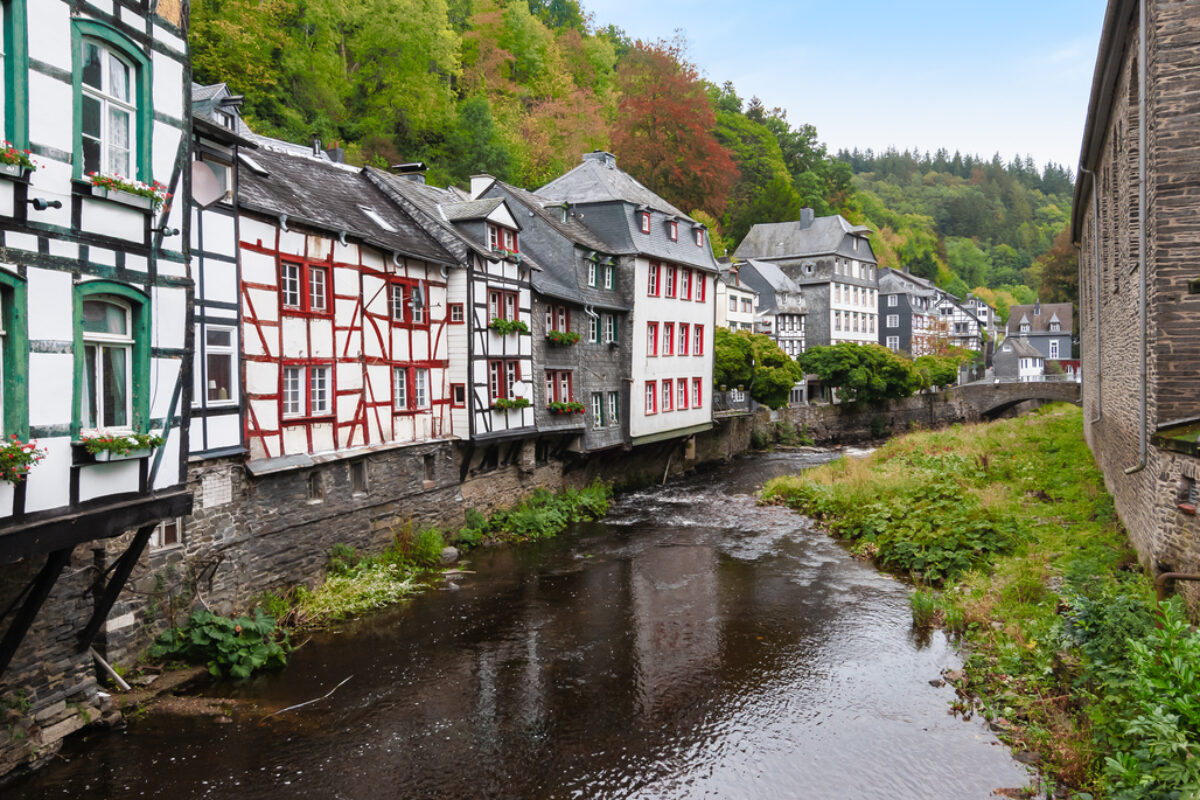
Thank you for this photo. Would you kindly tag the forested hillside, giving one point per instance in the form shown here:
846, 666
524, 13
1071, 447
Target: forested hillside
520, 88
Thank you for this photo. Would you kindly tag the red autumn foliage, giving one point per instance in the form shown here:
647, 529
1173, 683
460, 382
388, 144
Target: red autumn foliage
664, 130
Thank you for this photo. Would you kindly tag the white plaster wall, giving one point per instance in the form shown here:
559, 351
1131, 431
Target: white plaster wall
295, 337
224, 431
50, 118
164, 148
49, 298
167, 317
168, 469
113, 219
168, 85
218, 234
258, 233
50, 381
48, 485
295, 439
220, 280
116, 477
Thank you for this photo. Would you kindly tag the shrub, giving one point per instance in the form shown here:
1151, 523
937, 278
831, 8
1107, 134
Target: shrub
759, 440
427, 548
234, 647
342, 559
924, 605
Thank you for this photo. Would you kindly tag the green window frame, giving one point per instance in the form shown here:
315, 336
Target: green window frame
14, 350
16, 73
86, 29
139, 366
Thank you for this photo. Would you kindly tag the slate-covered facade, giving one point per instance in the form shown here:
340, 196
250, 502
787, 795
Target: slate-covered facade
782, 309
1134, 220
1045, 326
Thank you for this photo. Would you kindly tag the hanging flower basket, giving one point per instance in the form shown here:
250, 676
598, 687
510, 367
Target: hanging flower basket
510, 403
17, 458
507, 326
570, 407
15, 163
149, 196
121, 446
562, 337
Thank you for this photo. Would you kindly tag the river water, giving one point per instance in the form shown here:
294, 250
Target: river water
690, 645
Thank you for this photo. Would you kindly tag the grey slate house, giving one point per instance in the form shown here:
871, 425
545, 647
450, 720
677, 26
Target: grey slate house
579, 290
781, 304
832, 262
667, 257
1046, 327
1018, 360
906, 313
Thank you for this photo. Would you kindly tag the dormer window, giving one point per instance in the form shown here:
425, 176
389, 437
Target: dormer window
673, 230
1024, 327
699, 237
644, 221
501, 238
1055, 327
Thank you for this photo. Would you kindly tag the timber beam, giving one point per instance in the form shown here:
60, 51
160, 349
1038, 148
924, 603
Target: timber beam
35, 595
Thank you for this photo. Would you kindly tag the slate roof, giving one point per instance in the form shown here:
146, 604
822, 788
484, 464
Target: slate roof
824, 236
769, 281
1020, 348
206, 101
328, 196
1040, 323
573, 228
917, 286
470, 209
594, 181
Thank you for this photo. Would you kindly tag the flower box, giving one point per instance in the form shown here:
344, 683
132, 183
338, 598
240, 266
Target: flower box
504, 327
510, 404
109, 455
125, 198
564, 338
571, 407
18, 172
17, 458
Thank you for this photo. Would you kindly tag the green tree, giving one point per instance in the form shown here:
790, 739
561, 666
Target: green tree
757, 362
868, 373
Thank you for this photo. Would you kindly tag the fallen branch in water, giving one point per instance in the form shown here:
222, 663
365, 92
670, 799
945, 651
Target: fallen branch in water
310, 702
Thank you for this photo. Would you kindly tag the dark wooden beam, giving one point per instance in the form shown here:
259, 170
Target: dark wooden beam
115, 584
38, 592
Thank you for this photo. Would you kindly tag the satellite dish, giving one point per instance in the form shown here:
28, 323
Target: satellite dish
519, 390
206, 187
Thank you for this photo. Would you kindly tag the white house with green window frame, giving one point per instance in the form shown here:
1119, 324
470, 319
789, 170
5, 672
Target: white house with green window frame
95, 294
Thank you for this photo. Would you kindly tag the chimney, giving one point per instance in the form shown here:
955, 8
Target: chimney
336, 154
1037, 307
316, 145
603, 156
411, 171
806, 217
479, 183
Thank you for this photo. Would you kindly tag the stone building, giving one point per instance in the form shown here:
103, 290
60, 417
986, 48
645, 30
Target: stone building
1134, 220
907, 323
1047, 327
782, 309
832, 262
1018, 360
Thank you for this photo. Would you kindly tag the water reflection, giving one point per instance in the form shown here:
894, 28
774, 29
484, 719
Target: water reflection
693, 644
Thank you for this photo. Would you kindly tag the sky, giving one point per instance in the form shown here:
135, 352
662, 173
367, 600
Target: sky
979, 76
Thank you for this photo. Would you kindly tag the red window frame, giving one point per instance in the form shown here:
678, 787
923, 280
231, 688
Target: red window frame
644, 224
653, 282
699, 237
668, 348
306, 367
501, 300
305, 288
408, 289
673, 230
668, 394
651, 401
698, 340
697, 393
652, 338
669, 281
701, 285
498, 371
685, 284
456, 309
684, 334
556, 391
458, 395
681, 399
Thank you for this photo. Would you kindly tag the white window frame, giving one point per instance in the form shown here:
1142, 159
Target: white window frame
228, 351
893, 320
289, 284
400, 388
597, 410
614, 408
108, 341
320, 391
158, 538
1054, 348
421, 387
109, 104
292, 397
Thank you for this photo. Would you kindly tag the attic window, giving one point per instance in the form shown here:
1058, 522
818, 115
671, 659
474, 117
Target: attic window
673, 230
645, 221
227, 120
699, 237
1024, 327
1055, 327
378, 220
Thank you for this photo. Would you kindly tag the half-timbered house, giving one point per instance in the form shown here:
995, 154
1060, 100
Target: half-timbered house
490, 313
669, 257
94, 303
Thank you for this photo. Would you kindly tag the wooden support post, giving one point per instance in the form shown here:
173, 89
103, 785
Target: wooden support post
115, 584
41, 586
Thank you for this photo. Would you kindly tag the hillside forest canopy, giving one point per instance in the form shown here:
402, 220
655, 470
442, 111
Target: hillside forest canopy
520, 88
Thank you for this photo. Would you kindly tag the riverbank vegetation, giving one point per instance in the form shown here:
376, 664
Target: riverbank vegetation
355, 584
1016, 548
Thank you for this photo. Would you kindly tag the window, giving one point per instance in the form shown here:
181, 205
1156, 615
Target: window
458, 395
421, 383
610, 276
558, 386
610, 328
219, 364
358, 476
107, 356
456, 314
597, 410
502, 305
614, 408
697, 389
669, 289
837, 320
685, 284
316, 487
400, 388
168, 533
698, 341
893, 320
14, 357
408, 303
493, 237
651, 338
1024, 327
503, 377
644, 221
562, 318
593, 329
1054, 348
893, 299
699, 237
872, 317
319, 398
651, 397
501, 238
591, 273
733, 303
681, 392
893, 343
108, 110
701, 283
683, 338
1055, 327
673, 230
668, 389
747, 306
652, 280
304, 288
668, 340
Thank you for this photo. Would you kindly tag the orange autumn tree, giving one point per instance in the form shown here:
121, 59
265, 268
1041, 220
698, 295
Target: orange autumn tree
663, 133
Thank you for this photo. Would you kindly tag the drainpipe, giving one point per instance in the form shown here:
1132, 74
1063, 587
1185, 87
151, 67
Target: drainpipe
1096, 292
1142, 444
1160, 583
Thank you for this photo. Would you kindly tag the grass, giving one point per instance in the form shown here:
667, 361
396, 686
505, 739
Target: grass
1009, 532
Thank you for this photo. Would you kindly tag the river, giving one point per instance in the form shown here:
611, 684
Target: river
691, 645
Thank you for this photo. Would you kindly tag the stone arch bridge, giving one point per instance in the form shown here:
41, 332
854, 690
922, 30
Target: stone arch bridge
989, 399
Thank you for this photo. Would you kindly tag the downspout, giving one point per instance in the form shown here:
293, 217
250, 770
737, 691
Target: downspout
1143, 432
1096, 292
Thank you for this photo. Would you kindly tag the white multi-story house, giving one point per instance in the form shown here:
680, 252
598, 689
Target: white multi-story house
94, 319
737, 303
1018, 360
782, 305
673, 269
832, 262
